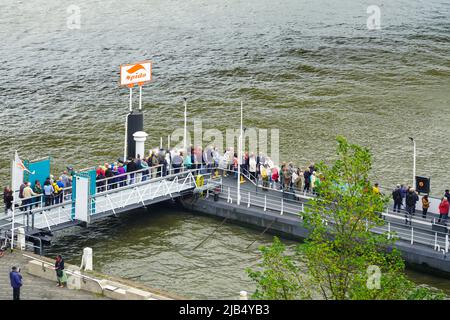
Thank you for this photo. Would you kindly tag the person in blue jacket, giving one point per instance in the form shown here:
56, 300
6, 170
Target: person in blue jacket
16, 282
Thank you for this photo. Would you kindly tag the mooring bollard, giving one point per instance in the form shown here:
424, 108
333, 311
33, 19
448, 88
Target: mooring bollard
86, 259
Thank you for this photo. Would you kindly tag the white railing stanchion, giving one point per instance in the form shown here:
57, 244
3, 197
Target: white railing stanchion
389, 230
248, 204
282, 207
265, 202
303, 207
412, 235
435, 240
446, 243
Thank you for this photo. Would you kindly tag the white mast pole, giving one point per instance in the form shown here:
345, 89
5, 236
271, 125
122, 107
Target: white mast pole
239, 159
14, 200
131, 99
140, 97
414, 165
125, 145
414, 162
185, 126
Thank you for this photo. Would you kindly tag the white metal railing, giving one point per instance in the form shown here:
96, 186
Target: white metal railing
141, 192
417, 234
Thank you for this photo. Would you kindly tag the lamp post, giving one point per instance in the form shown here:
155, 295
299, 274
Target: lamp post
414, 161
240, 159
185, 125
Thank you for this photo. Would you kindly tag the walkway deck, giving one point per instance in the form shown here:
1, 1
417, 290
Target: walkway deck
35, 288
418, 231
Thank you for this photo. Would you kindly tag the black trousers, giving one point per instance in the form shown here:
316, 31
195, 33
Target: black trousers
16, 293
424, 212
397, 206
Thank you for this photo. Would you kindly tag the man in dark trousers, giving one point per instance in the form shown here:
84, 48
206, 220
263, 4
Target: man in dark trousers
398, 200
16, 282
411, 200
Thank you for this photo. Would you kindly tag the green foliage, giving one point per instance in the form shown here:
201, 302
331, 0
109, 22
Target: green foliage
340, 252
281, 280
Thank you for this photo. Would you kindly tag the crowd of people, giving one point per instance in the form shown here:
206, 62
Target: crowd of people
52, 192
407, 197
258, 168
160, 162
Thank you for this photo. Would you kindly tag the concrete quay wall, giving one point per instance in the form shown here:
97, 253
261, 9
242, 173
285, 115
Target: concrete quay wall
416, 256
94, 282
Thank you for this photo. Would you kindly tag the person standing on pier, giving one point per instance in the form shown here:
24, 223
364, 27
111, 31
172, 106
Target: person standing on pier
28, 195
48, 192
307, 177
60, 273
252, 167
397, 197
131, 168
121, 172
443, 210
411, 200
57, 191
7, 199
109, 174
447, 195
298, 182
38, 190
16, 282
403, 192
425, 206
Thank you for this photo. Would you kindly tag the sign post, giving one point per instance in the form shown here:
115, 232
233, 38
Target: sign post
131, 74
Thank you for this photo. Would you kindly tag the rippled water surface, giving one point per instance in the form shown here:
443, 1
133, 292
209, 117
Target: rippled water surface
308, 68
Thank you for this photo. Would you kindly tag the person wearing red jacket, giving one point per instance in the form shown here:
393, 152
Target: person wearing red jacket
443, 209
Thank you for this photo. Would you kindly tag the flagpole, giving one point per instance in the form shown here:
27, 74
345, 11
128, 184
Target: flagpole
14, 200
185, 126
239, 161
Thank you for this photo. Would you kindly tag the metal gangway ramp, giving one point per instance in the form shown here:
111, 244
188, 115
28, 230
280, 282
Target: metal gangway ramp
111, 197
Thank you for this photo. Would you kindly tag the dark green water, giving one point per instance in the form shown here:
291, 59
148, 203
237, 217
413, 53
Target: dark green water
308, 68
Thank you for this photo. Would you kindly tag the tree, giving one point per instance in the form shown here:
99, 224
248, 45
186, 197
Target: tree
343, 258
282, 280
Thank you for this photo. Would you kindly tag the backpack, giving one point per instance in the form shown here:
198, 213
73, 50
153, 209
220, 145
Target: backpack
263, 172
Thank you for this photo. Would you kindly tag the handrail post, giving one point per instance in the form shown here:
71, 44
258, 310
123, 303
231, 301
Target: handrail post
435, 240
282, 207
248, 204
446, 243
265, 202
389, 230
412, 235
303, 207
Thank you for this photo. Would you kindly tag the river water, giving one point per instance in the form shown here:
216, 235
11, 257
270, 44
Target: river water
311, 69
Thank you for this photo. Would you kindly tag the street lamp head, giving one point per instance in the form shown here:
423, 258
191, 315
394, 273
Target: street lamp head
411, 138
184, 98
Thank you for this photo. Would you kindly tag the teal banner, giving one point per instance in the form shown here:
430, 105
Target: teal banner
40, 170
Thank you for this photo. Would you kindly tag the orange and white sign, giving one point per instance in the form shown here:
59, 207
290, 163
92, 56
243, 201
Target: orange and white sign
139, 73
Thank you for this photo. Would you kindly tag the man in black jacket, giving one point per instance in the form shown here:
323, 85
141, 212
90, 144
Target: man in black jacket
411, 200
131, 167
397, 196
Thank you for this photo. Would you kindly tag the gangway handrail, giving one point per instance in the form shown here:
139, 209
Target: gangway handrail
380, 213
